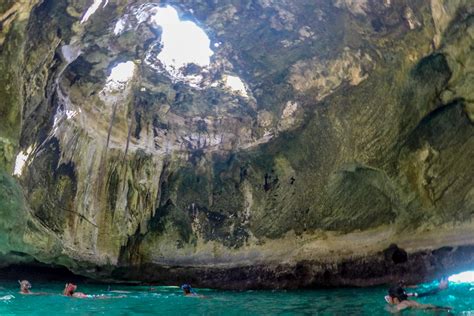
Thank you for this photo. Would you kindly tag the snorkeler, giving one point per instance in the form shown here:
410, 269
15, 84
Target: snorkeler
399, 298
25, 287
70, 290
442, 285
189, 291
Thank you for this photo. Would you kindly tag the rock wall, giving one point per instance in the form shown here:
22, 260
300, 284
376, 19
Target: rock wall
350, 147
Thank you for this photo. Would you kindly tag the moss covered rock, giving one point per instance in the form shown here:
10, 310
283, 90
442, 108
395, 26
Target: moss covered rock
353, 132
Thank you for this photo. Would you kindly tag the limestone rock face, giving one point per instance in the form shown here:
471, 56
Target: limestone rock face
318, 139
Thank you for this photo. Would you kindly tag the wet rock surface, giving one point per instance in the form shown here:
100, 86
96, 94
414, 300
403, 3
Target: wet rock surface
368, 271
350, 131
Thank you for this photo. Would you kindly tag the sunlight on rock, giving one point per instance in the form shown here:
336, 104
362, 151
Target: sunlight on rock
289, 109
61, 115
463, 277
119, 27
235, 84
20, 161
92, 9
70, 52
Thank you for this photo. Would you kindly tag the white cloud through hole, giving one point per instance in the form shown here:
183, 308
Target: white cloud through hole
183, 41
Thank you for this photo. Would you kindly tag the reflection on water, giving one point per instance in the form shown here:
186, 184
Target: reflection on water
169, 301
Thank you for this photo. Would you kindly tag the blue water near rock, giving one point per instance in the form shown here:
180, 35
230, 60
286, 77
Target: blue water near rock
169, 301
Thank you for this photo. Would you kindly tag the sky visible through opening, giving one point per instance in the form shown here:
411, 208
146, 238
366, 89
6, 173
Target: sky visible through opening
235, 84
20, 161
182, 43
92, 9
463, 277
122, 72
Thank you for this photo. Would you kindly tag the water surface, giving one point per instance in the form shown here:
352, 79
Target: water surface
169, 301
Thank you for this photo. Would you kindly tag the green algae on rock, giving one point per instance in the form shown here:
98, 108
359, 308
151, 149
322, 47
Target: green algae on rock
351, 129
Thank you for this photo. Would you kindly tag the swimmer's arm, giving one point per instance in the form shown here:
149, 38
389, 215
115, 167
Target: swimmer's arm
436, 308
393, 309
396, 309
429, 306
400, 307
35, 293
407, 304
41, 293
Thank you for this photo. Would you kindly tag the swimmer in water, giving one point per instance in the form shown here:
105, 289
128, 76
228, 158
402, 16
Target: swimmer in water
442, 285
70, 290
399, 299
25, 287
189, 291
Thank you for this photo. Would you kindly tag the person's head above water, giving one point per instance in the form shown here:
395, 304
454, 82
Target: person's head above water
187, 289
25, 286
397, 294
69, 289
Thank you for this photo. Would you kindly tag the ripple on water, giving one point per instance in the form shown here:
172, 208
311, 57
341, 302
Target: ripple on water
169, 301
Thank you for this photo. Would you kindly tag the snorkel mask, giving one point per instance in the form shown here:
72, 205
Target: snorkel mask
187, 288
24, 284
70, 288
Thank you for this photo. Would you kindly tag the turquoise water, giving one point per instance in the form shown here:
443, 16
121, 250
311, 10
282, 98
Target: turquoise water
169, 301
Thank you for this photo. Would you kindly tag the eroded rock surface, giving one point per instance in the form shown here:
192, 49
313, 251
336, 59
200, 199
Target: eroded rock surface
318, 140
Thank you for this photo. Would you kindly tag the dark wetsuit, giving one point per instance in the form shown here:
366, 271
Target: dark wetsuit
429, 293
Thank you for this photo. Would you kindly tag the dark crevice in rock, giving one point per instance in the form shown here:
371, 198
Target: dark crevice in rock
53, 189
445, 117
432, 70
112, 190
138, 125
130, 254
421, 96
395, 254
37, 271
